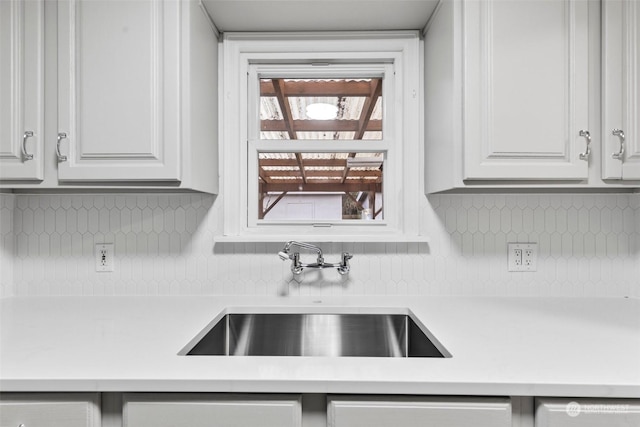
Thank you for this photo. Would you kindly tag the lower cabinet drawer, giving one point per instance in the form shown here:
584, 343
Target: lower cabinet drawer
50, 410
414, 411
211, 410
563, 412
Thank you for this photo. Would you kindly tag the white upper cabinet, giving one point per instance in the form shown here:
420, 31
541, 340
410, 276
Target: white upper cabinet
507, 92
118, 90
621, 89
131, 94
21, 90
525, 89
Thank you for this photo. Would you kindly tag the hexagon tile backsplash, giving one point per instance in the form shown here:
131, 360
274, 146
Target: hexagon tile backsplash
589, 245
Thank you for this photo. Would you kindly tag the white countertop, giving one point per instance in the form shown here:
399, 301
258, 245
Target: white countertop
500, 346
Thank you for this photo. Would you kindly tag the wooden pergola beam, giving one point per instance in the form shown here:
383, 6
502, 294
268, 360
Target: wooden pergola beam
285, 107
320, 125
368, 107
321, 187
307, 162
310, 174
319, 88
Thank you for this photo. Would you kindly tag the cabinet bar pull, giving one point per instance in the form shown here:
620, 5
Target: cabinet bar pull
587, 153
61, 158
620, 134
25, 155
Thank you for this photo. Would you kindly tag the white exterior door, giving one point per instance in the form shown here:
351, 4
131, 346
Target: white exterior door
118, 90
21, 90
621, 89
211, 410
388, 411
525, 89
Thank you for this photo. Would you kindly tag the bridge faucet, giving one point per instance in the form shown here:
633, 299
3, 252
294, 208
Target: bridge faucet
297, 267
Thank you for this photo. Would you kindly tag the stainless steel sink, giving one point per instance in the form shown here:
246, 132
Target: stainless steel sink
315, 334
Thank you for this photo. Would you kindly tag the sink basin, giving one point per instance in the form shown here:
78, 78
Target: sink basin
316, 334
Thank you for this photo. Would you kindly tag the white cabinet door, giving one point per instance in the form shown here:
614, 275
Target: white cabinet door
621, 89
387, 411
49, 409
587, 413
21, 90
525, 89
211, 410
118, 89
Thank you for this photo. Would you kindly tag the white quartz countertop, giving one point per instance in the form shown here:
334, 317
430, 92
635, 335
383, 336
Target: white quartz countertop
500, 346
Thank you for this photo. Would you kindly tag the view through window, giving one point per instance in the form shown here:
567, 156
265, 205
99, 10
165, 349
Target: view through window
328, 184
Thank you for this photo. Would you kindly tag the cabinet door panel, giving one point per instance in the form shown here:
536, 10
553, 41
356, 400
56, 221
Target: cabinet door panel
621, 88
526, 89
118, 88
173, 410
347, 411
587, 413
49, 410
21, 90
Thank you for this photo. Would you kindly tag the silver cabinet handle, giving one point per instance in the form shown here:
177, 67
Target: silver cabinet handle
587, 153
61, 158
620, 134
25, 155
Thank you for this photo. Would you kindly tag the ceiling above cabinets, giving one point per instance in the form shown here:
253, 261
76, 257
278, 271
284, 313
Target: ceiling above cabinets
319, 15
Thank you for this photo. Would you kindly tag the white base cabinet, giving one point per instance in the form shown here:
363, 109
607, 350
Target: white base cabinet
211, 410
414, 411
557, 412
49, 409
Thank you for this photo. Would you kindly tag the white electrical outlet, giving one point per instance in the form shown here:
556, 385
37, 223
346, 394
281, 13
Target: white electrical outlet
522, 256
105, 257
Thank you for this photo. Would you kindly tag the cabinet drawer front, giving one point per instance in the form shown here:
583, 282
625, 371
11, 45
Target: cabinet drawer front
211, 410
346, 411
49, 410
587, 412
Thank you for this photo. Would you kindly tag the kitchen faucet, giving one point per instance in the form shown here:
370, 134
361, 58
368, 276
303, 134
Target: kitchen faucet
297, 267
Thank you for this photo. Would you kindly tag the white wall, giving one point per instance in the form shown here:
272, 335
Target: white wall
589, 245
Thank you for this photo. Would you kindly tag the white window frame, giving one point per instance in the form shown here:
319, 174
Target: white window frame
246, 57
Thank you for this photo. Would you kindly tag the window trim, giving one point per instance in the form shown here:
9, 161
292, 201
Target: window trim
241, 51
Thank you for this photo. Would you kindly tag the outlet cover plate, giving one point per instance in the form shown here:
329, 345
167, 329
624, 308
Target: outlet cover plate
105, 257
522, 256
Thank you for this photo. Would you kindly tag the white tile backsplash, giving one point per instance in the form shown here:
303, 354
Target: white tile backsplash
588, 245
7, 244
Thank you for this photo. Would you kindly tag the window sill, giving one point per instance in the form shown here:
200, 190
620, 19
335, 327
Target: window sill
321, 238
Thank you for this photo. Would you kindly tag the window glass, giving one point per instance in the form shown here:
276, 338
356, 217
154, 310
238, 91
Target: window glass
318, 109
320, 186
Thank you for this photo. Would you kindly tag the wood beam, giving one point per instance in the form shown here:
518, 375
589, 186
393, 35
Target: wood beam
266, 211
321, 187
285, 107
320, 125
307, 162
319, 88
278, 86
368, 107
316, 173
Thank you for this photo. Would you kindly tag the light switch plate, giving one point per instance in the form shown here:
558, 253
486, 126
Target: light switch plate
105, 257
522, 256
